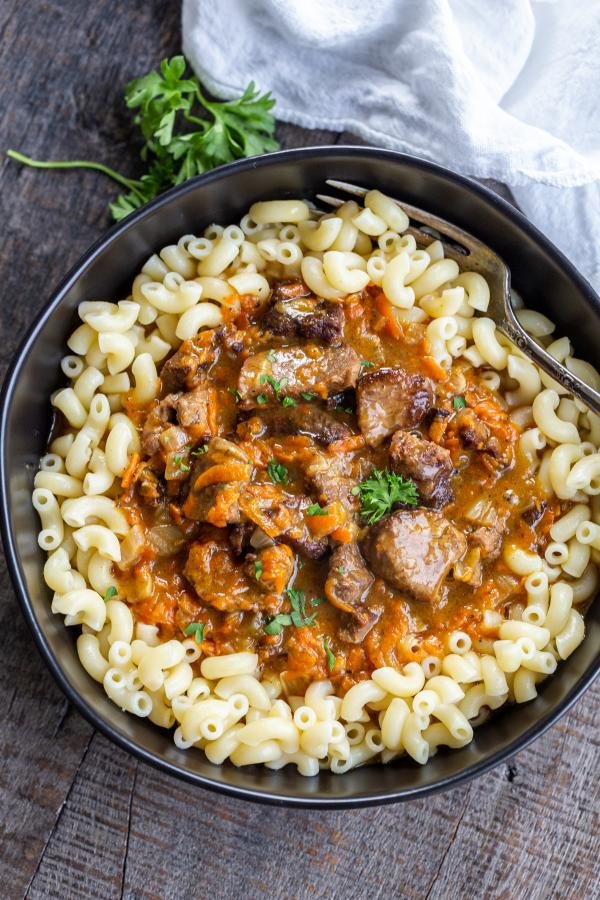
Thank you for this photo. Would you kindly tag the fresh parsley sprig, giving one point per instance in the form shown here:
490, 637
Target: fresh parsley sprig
381, 491
298, 616
277, 472
184, 133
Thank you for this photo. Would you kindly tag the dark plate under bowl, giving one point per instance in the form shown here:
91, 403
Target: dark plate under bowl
545, 279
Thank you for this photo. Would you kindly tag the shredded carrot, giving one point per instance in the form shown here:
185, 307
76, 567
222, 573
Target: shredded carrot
322, 525
342, 535
354, 310
218, 514
356, 442
386, 309
433, 368
231, 471
130, 471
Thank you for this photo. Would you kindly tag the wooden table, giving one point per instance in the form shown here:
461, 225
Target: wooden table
80, 818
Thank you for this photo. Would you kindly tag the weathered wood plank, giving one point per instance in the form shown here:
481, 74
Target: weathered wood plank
87, 849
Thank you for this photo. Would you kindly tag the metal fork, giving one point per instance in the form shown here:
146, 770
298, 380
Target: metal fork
467, 251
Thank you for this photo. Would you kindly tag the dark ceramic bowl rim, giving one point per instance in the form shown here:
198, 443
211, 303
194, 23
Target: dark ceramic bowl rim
110, 238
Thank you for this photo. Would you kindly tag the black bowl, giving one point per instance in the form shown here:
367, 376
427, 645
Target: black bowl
545, 279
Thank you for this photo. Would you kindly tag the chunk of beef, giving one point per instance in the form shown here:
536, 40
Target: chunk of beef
473, 433
389, 399
297, 370
330, 478
295, 312
194, 409
357, 627
489, 539
414, 551
180, 371
347, 586
429, 466
218, 578
150, 488
349, 579
239, 537
534, 514
305, 418
160, 417
271, 568
281, 516
216, 481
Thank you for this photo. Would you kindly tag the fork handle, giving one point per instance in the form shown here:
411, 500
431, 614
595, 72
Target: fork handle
515, 332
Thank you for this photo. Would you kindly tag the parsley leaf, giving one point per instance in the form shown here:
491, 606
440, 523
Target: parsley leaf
382, 491
277, 472
271, 356
315, 510
200, 451
459, 402
308, 395
298, 616
329, 656
342, 570
262, 399
109, 593
366, 364
258, 569
181, 465
184, 133
235, 394
288, 401
276, 385
197, 630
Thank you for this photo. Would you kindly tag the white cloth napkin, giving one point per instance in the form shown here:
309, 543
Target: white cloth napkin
504, 89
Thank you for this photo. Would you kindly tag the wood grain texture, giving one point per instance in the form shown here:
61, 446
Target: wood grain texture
78, 817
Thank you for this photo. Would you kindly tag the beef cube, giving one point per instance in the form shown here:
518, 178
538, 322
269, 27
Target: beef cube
389, 399
160, 417
357, 626
194, 409
429, 466
307, 419
295, 312
218, 578
281, 516
473, 433
489, 539
330, 478
217, 501
414, 550
179, 372
349, 579
271, 568
296, 370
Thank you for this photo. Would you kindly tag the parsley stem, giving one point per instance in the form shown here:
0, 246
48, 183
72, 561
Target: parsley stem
72, 164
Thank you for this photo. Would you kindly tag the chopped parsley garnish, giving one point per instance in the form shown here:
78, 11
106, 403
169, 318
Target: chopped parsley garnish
380, 492
315, 510
181, 465
366, 364
197, 630
308, 396
271, 356
235, 394
277, 472
277, 386
342, 570
262, 399
298, 616
288, 401
110, 593
459, 402
258, 569
200, 451
329, 656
